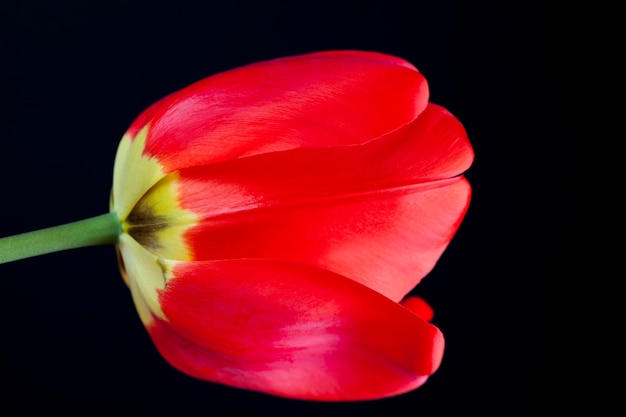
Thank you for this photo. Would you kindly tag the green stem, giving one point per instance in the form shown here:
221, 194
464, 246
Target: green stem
99, 230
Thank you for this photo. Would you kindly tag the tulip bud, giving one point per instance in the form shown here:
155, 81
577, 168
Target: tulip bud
275, 215
271, 220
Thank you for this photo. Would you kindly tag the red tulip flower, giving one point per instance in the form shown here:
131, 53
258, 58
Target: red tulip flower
274, 218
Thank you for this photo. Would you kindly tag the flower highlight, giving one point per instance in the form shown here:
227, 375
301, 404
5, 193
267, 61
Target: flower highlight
275, 217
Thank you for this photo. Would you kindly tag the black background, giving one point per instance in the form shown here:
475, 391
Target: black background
74, 74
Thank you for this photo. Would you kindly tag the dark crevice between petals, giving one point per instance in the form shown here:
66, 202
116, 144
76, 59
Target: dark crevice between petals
143, 226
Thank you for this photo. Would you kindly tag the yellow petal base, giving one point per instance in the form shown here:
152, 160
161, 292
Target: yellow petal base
146, 199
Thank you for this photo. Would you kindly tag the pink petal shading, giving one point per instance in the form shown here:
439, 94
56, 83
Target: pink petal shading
319, 99
386, 241
379, 213
293, 331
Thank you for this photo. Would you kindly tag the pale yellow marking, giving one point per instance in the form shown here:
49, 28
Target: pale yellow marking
139, 183
133, 174
147, 273
140, 304
162, 201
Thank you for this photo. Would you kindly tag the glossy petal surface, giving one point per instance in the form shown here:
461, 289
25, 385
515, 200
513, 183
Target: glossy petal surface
293, 331
275, 216
321, 99
380, 213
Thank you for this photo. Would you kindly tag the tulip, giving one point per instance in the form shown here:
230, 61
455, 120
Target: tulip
271, 220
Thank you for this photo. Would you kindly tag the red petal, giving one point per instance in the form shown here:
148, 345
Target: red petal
379, 213
308, 100
386, 241
292, 331
420, 307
